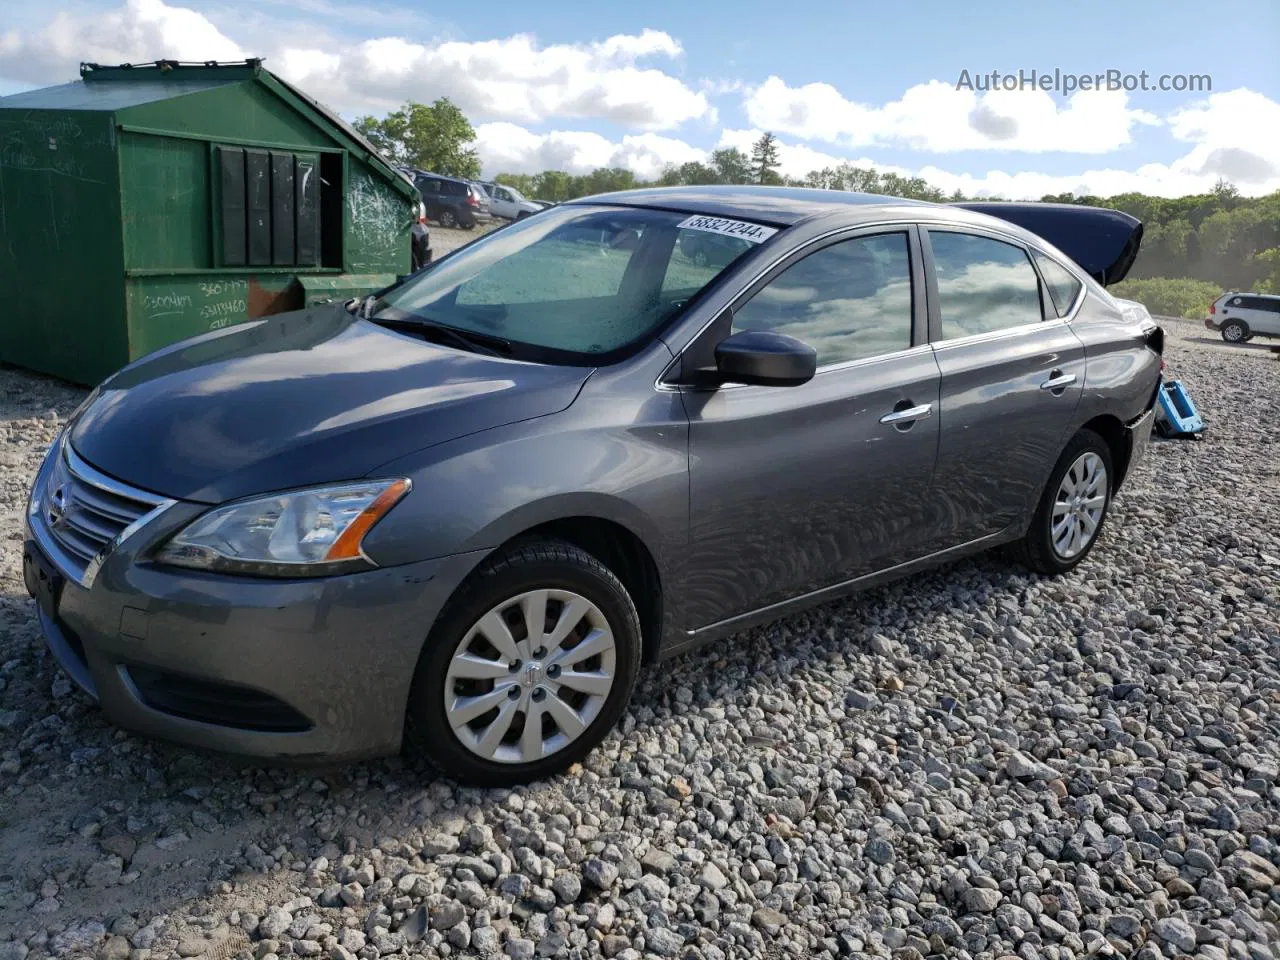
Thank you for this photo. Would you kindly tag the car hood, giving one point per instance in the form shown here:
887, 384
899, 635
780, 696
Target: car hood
304, 398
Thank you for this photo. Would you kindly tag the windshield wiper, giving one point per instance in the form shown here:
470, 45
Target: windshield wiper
361, 306
469, 340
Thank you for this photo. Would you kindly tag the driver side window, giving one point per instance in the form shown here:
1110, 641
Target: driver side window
848, 301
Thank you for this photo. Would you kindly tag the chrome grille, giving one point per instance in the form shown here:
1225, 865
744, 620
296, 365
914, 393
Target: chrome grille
85, 512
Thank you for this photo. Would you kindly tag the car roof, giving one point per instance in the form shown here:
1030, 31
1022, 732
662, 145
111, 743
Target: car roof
780, 206
441, 176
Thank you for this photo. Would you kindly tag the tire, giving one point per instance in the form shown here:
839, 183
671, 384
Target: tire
448, 218
1037, 549
523, 214
1235, 331
564, 573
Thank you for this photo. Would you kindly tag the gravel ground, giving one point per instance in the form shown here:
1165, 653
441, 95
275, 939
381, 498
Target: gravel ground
970, 763
444, 239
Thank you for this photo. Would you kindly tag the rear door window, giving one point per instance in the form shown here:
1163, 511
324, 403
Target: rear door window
984, 285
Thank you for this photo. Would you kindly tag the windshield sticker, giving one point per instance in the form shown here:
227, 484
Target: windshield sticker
751, 232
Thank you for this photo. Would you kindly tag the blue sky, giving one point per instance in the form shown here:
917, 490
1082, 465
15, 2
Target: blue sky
577, 85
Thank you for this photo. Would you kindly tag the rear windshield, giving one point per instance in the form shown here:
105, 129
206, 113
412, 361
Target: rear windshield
582, 283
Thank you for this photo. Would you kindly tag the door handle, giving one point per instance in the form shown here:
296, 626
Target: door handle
909, 415
1058, 381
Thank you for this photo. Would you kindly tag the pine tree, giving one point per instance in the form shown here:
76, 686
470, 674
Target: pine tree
764, 160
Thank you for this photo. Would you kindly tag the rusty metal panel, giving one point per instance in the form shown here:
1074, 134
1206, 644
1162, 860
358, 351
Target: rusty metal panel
234, 206
257, 176
166, 309
282, 207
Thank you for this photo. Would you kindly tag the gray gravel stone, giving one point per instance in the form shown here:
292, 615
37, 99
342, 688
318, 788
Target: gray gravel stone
1176, 932
599, 873
981, 900
1028, 766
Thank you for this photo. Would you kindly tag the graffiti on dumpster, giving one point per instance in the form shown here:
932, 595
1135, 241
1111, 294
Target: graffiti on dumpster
165, 304
226, 301
378, 220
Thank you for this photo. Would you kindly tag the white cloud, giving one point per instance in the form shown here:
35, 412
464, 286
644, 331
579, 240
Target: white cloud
514, 86
1184, 176
513, 78
1236, 136
141, 30
509, 148
937, 117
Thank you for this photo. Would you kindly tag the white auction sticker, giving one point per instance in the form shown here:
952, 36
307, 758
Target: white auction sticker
751, 232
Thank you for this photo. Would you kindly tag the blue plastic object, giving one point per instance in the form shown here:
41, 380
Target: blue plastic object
1175, 413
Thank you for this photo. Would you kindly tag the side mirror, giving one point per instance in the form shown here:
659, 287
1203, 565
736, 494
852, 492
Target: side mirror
765, 359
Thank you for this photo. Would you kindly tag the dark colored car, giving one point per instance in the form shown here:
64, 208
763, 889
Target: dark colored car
463, 514
452, 202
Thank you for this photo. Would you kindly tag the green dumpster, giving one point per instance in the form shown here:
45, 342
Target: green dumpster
145, 204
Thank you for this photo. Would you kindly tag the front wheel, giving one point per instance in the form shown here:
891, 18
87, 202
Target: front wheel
1234, 331
530, 665
1072, 508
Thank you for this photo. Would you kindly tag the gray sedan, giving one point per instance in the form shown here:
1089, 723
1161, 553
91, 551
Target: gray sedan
462, 514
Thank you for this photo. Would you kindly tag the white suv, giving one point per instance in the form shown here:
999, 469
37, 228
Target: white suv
1242, 316
509, 202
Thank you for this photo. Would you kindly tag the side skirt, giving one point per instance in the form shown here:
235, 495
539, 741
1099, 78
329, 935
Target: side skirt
692, 639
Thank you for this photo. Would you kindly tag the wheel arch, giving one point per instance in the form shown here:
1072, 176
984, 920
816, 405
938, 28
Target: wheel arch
613, 532
1118, 441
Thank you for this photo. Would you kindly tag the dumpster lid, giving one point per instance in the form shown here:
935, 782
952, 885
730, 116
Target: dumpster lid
110, 97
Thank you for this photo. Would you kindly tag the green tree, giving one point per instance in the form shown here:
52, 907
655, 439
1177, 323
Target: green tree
437, 137
1268, 262
764, 160
731, 165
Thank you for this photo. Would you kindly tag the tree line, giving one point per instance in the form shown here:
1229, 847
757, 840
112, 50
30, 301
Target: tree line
1192, 246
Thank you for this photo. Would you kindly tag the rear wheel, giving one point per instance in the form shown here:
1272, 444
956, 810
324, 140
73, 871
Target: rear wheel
448, 218
1235, 331
530, 665
1072, 509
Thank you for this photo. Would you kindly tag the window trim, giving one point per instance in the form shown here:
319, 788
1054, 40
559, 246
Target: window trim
935, 298
669, 378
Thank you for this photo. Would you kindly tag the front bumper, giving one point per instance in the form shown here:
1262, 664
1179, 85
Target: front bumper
306, 669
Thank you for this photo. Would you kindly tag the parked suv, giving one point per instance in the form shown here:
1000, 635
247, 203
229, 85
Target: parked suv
1240, 317
452, 202
509, 202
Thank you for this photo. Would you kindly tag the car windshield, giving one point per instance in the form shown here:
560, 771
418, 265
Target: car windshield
576, 284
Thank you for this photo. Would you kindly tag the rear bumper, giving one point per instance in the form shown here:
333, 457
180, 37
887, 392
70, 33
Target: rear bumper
316, 669
1211, 323
1140, 437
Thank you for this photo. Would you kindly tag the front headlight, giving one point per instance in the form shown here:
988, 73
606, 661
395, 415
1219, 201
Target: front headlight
297, 534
